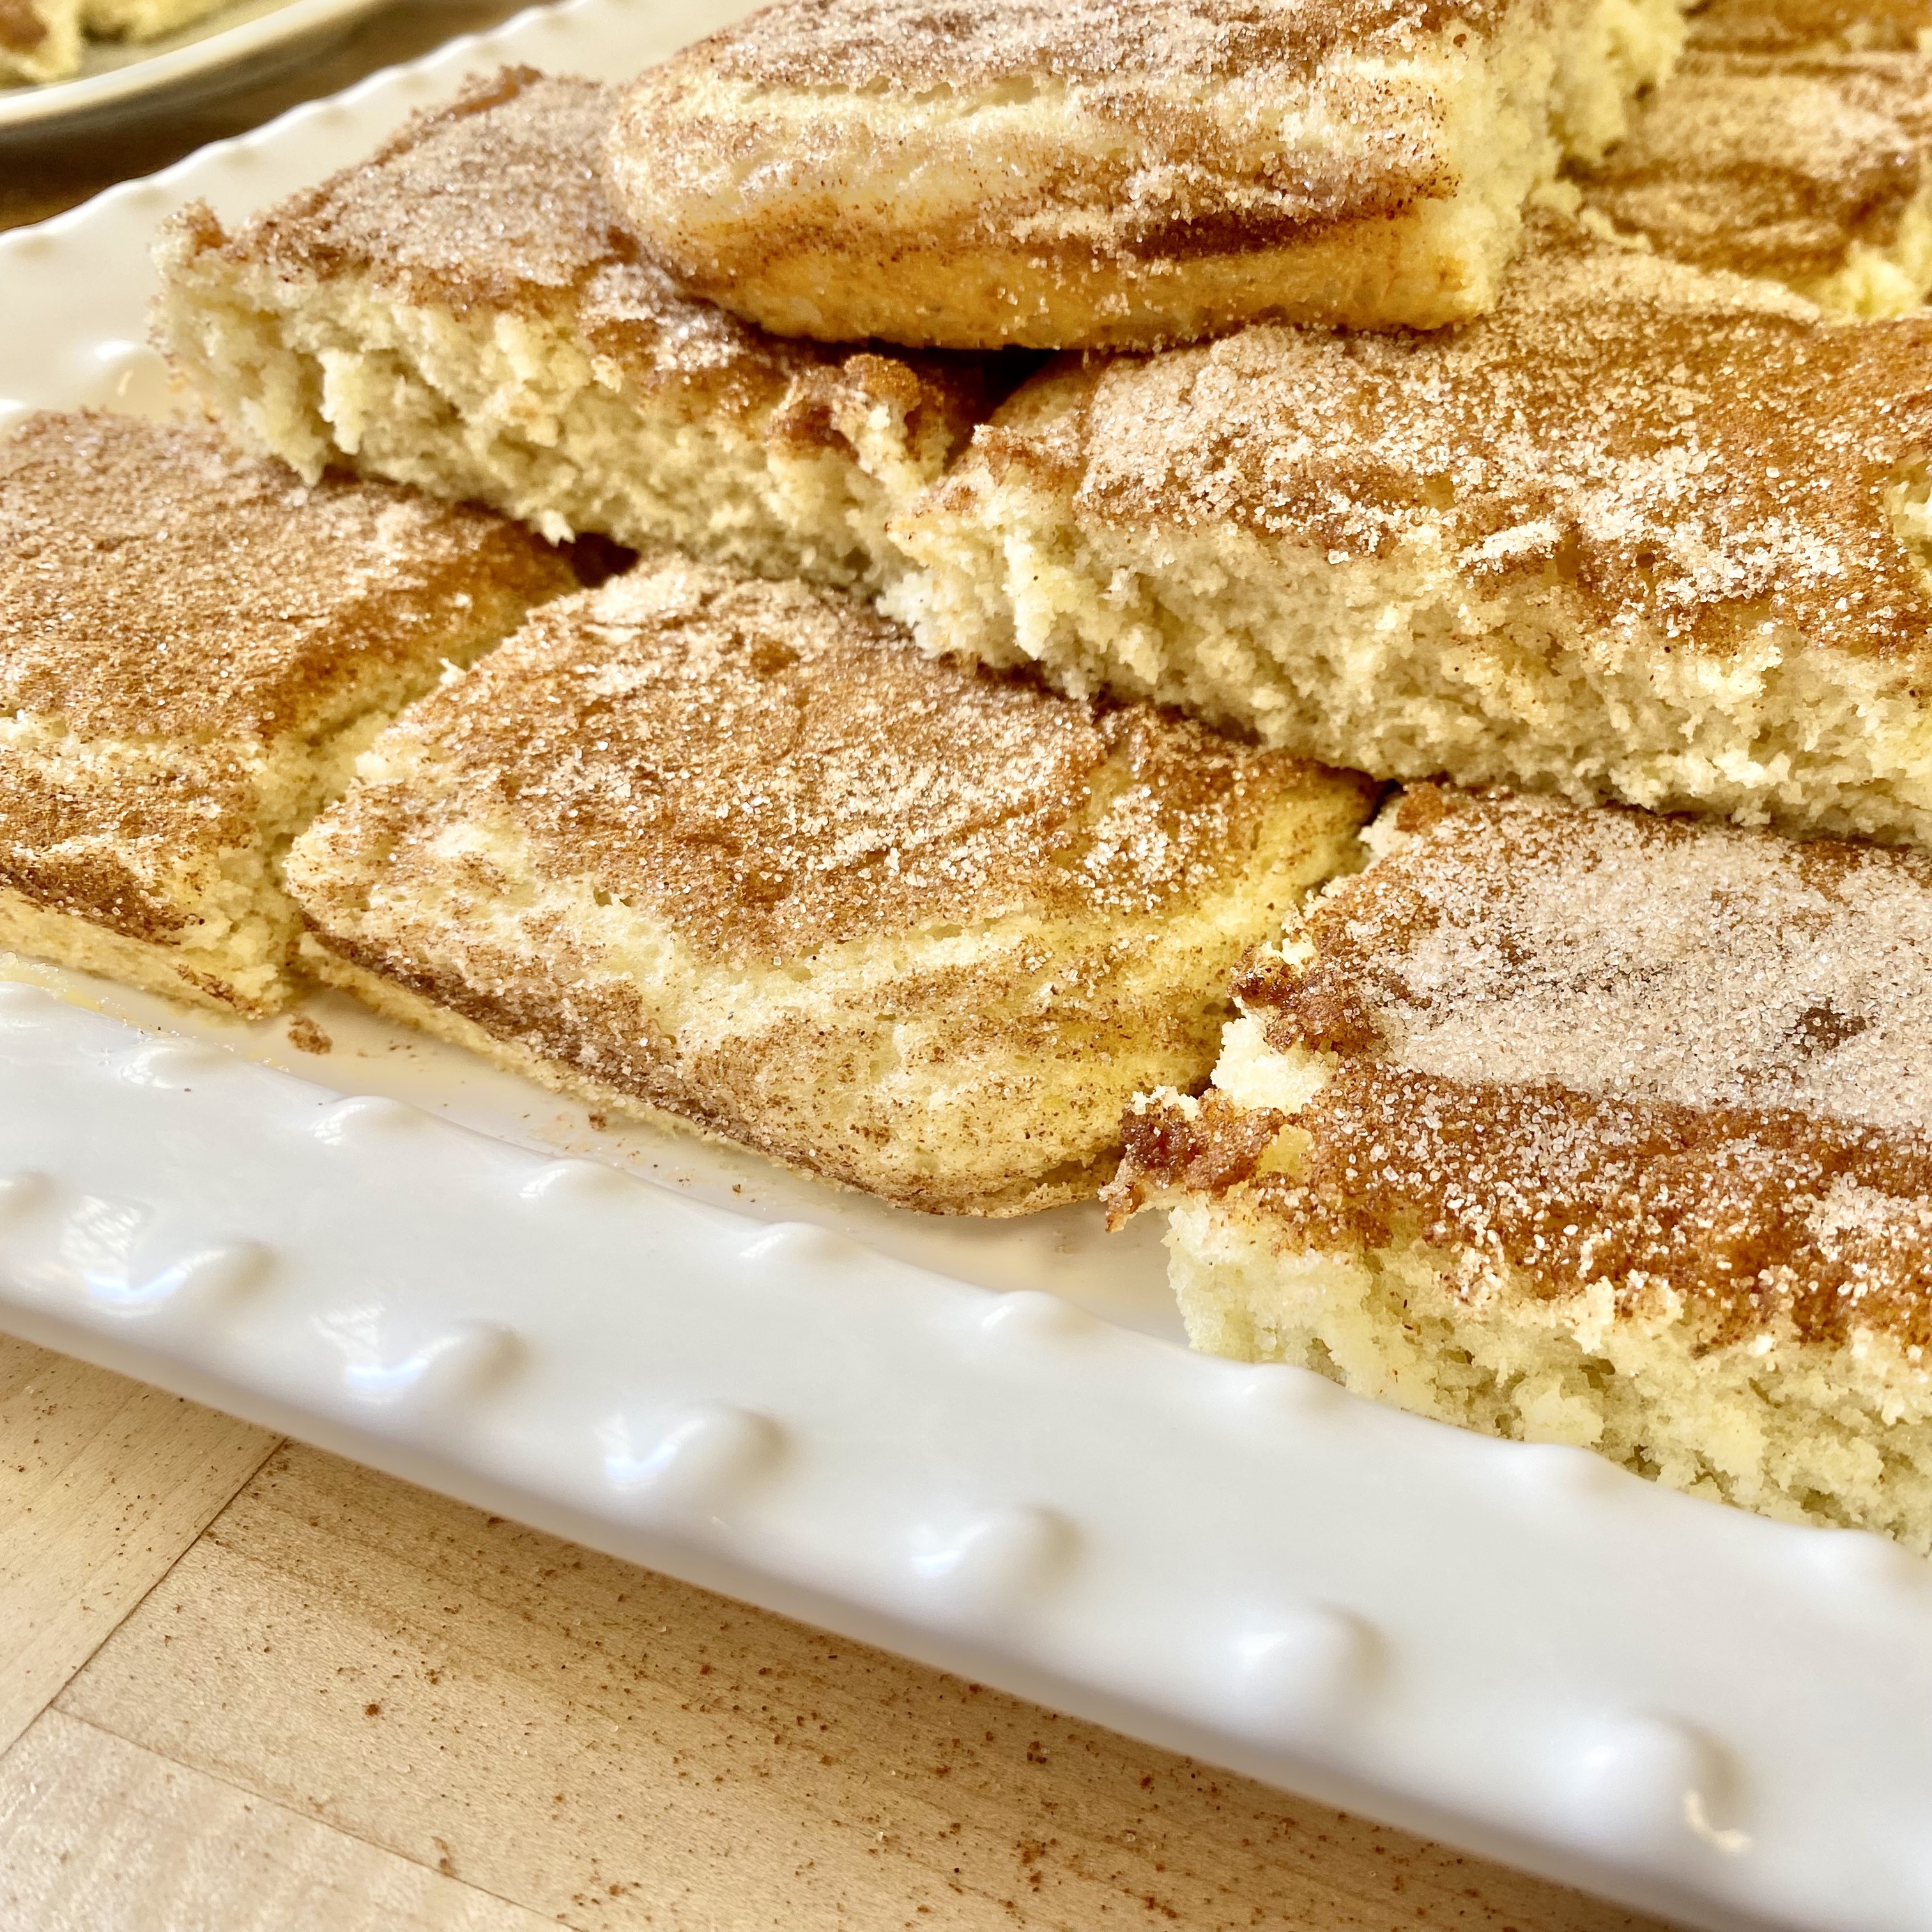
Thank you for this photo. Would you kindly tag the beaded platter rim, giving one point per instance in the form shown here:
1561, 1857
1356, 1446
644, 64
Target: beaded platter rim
1516, 1648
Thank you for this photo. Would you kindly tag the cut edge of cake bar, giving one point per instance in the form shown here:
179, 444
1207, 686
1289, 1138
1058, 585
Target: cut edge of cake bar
1593, 543
1486, 1253
465, 312
892, 973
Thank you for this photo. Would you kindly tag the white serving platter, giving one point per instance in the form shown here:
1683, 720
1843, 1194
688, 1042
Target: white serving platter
981, 1445
125, 80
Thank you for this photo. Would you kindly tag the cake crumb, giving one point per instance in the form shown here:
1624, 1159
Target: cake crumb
305, 1037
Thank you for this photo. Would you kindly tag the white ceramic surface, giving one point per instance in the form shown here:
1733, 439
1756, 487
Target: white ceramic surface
124, 80
980, 1445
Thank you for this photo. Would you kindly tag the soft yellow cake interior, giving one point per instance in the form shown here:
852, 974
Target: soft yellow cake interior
466, 312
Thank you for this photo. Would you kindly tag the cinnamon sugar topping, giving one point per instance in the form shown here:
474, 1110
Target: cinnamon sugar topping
1521, 941
1774, 166
153, 585
1743, 1221
910, 46
1698, 456
181, 630
497, 202
771, 770
1674, 1058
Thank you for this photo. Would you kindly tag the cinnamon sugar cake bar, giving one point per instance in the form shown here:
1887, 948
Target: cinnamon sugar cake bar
1644, 533
1580, 1126
194, 646
143, 19
701, 844
39, 40
1080, 174
466, 311
1793, 141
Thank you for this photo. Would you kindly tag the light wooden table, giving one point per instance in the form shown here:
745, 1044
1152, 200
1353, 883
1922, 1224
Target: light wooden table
243, 1684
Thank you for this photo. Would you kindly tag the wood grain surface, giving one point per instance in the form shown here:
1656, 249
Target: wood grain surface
350, 1704
245, 1686
102, 1482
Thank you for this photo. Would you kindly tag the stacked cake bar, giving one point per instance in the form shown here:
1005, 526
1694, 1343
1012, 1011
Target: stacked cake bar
1119, 173
1643, 533
1588, 1126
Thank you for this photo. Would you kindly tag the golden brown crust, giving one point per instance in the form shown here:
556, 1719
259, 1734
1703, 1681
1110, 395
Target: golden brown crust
1774, 164
1694, 456
1208, 1149
770, 770
504, 1031
155, 585
1751, 1221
